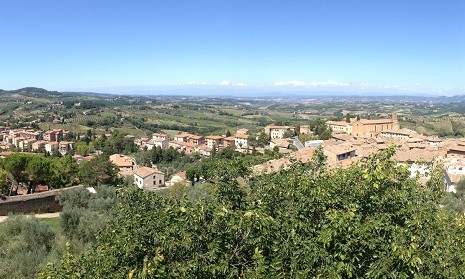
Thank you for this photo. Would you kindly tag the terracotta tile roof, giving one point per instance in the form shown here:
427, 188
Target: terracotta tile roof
214, 137
121, 160
343, 137
196, 137
143, 172
278, 127
338, 149
415, 155
337, 123
159, 135
376, 121
182, 143
457, 148
405, 132
434, 140
241, 136
281, 143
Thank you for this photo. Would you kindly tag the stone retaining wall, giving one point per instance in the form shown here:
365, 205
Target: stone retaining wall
44, 202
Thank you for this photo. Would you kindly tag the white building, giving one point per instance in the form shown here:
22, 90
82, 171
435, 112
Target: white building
241, 140
149, 178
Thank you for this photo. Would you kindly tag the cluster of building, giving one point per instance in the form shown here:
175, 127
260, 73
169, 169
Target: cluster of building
204, 145
151, 178
30, 140
357, 139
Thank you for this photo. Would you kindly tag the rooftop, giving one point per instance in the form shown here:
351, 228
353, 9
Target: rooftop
143, 172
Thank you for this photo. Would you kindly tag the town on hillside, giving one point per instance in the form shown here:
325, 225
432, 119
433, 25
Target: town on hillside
348, 142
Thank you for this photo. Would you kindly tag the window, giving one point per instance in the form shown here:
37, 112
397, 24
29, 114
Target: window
159, 181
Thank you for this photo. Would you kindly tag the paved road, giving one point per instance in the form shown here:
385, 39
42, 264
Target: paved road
296, 142
40, 216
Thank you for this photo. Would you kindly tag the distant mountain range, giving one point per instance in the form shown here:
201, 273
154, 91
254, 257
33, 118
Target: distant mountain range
228, 93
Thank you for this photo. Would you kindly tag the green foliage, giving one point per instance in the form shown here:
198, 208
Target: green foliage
320, 129
263, 139
64, 172
98, 171
84, 214
368, 221
455, 202
35, 169
25, 244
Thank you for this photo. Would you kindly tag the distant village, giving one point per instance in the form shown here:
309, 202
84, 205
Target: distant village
351, 141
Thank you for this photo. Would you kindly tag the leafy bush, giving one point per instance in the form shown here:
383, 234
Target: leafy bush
25, 244
368, 221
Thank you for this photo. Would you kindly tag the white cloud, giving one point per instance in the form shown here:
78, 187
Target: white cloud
290, 83
225, 83
196, 83
241, 84
328, 83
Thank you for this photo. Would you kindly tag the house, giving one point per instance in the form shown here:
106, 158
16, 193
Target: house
278, 132
456, 151
65, 146
191, 138
123, 162
340, 126
338, 152
341, 137
183, 137
55, 135
154, 143
181, 146
197, 140
204, 150
149, 178
51, 146
280, 143
160, 136
243, 131
38, 145
434, 141
241, 140
229, 141
419, 162
214, 141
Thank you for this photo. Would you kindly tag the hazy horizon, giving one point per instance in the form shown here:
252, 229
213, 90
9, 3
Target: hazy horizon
397, 47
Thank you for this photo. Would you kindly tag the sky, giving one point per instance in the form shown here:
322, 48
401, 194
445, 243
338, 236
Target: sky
393, 46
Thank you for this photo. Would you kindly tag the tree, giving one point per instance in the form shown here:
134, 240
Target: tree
38, 171
63, 172
98, 171
319, 128
370, 220
25, 244
16, 165
263, 139
288, 134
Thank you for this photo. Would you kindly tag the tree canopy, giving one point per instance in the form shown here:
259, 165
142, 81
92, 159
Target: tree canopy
368, 221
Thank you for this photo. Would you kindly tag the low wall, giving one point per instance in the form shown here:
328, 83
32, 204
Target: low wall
44, 202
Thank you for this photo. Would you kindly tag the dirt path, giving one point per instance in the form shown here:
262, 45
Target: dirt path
40, 216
